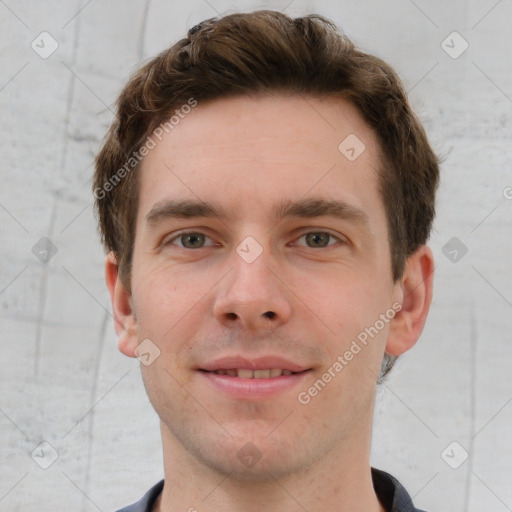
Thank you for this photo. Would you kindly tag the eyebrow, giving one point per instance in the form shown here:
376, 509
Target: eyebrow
303, 208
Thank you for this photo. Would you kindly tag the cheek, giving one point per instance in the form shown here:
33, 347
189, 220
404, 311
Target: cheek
169, 303
164, 292
347, 298
166, 390
352, 326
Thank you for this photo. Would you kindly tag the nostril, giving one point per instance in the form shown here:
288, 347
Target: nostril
270, 314
232, 316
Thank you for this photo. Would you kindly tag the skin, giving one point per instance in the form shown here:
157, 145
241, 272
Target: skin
197, 304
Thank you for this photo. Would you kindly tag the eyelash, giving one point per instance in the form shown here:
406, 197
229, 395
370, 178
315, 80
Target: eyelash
183, 233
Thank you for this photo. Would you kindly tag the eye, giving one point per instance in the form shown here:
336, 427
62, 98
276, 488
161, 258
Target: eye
319, 239
189, 240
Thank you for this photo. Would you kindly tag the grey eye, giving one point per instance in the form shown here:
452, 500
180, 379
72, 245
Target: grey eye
192, 240
318, 239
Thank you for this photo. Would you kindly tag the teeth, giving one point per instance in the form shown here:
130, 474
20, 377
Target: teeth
246, 373
261, 374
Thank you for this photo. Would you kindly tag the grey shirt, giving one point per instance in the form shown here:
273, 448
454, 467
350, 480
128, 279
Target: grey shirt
391, 494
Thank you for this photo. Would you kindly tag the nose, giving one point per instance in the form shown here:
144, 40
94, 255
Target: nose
252, 296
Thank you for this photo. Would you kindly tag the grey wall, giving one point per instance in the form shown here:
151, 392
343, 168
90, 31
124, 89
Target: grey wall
62, 380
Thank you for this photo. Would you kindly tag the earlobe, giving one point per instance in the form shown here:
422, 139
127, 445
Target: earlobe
122, 308
416, 287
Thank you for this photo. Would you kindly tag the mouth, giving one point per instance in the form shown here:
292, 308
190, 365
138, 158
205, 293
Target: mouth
262, 367
247, 373
262, 378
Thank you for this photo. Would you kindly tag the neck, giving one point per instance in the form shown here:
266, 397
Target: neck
340, 481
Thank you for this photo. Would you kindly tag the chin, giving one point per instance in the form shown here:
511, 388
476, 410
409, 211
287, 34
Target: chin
252, 456
268, 468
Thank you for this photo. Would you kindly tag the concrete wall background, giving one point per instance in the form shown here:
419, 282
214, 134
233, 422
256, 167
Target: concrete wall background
62, 381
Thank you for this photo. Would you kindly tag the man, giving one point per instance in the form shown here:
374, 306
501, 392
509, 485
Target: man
265, 195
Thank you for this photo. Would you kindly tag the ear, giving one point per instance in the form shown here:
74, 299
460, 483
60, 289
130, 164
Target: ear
122, 308
415, 289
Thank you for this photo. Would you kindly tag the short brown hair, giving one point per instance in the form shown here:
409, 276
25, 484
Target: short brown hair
259, 52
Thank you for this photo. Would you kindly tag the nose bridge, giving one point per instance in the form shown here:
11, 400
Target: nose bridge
252, 296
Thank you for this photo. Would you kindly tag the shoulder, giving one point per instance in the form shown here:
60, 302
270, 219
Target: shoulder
391, 493
145, 504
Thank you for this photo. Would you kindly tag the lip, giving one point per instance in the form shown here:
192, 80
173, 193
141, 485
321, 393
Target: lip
251, 389
259, 363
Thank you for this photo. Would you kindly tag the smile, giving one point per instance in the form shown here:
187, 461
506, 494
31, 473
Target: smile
246, 384
246, 373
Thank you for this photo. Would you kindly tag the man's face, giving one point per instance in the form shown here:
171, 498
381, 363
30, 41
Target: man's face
296, 290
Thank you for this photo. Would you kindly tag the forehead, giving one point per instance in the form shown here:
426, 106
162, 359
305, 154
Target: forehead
231, 126
250, 152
